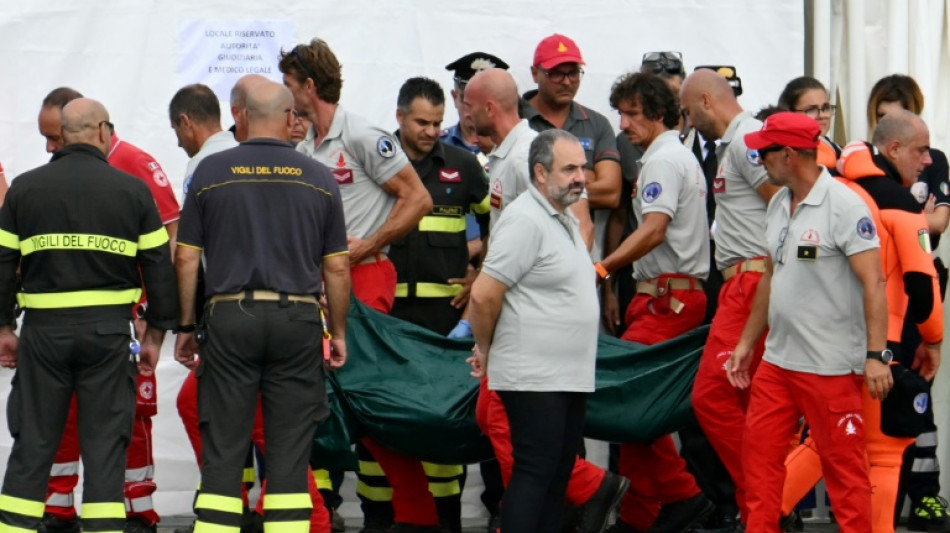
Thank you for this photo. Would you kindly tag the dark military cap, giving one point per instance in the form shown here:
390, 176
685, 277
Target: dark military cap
466, 66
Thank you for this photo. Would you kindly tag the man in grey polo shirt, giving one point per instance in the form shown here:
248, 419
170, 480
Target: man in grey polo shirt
742, 192
383, 199
827, 318
670, 248
195, 115
534, 317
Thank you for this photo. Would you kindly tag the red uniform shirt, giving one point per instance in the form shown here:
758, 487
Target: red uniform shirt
132, 159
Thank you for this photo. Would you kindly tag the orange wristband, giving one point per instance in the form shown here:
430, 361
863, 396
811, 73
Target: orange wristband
601, 271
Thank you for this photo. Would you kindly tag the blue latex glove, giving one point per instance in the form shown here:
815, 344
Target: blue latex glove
462, 330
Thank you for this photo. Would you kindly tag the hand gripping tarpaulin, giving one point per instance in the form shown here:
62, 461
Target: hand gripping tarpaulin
410, 390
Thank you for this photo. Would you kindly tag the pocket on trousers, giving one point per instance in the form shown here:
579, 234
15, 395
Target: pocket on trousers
845, 415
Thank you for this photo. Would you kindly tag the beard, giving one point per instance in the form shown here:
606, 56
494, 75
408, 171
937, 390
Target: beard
564, 196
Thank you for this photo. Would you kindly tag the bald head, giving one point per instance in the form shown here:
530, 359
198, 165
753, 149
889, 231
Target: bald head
497, 85
904, 140
899, 125
270, 111
709, 103
82, 123
239, 103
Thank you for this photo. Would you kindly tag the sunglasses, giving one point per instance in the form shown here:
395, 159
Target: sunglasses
303, 65
662, 62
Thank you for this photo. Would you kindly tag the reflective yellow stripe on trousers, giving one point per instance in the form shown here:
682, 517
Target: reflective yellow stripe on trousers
429, 290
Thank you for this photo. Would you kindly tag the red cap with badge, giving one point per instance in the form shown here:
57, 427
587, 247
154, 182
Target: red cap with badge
794, 130
555, 50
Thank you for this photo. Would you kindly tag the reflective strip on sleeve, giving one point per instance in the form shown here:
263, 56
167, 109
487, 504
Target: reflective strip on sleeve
78, 241
12, 504
153, 239
215, 502
92, 511
273, 502
376, 494
437, 470
9, 240
63, 300
139, 505
442, 489
442, 224
481, 207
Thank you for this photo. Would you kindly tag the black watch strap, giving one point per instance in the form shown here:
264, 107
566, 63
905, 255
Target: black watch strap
186, 328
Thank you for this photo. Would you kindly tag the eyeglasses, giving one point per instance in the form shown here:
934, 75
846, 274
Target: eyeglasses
780, 251
557, 76
108, 124
662, 62
757, 157
815, 111
303, 66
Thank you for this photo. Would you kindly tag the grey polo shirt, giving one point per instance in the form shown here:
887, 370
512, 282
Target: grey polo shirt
590, 127
740, 211
508, 173
672, 182
216, 143
546, 335
362, 158
816, 307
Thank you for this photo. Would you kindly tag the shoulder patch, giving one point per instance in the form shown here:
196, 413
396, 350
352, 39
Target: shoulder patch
651, 192
386, 147
866, 229
923, 237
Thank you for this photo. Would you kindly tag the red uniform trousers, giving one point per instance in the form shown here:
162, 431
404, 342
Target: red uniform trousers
139, 467
885, 455
719, 407
656, 471
374, 284
832, 409
493, 421
188, 411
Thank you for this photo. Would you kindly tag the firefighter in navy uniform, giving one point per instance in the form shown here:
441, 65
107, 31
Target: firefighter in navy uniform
85, 236
431, 261
261, 327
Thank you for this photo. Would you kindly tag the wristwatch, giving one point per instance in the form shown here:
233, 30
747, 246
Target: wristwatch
190, 328
885, 356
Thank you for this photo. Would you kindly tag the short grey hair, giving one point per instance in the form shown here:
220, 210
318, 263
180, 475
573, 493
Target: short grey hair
899, 125
542, 149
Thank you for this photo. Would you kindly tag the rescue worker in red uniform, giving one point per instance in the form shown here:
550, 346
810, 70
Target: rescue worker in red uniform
60, 514
911, 278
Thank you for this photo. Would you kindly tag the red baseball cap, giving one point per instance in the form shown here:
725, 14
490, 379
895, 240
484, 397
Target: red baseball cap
794, 130
555, 50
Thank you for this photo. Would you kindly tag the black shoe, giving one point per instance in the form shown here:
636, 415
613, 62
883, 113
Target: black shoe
137, 525
51, 524
791, 523
677, 517
929, 514
620, 527
596, 511
371, 526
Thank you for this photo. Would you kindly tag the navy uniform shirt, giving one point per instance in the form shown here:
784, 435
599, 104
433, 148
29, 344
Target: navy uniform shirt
265, 217
590, 127
452, 136
437, 248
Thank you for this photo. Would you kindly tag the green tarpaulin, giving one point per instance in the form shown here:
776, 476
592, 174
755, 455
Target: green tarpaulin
410, 390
